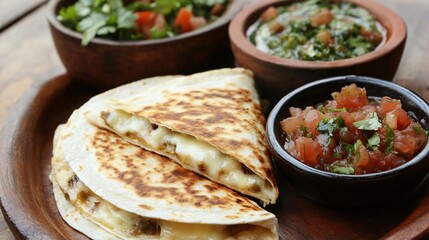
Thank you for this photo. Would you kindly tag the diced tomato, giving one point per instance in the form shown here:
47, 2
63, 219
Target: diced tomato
312, 118
368, 109
382, 135
144, 17
346, 136
291, 125
308, 150
397, 119
351, 97
409, 141
276, 27
351, 117
391, 120
331, 104
217, 9
197, 22
362, 159
323, 17
145, 21
375, 37
376, 155
269, 14
160, 22
183, 20
387, 105
405, 145
403, 119
389, 161
295, 111
325, 37
416, 131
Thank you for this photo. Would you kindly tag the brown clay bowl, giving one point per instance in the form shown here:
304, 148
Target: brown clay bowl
277, 76
106, 64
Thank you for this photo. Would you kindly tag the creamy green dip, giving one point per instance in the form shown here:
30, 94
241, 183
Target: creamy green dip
316, 30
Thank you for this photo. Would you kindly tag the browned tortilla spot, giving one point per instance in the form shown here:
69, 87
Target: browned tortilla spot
179, 181
146, 207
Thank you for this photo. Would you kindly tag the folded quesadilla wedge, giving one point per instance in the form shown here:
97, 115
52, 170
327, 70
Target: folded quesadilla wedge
210, 123
69, 212
136, 194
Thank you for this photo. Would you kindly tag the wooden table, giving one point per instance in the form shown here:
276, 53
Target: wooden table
28, 57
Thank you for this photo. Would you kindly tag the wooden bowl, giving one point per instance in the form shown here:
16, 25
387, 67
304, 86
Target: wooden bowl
277, 76
350, 191
106, 64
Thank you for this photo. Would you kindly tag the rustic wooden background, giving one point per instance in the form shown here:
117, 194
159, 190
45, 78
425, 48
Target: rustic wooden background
28, 58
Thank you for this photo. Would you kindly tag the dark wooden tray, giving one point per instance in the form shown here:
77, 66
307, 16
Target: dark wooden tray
28, 204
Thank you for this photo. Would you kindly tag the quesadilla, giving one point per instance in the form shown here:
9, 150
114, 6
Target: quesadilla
131, 193
210, 123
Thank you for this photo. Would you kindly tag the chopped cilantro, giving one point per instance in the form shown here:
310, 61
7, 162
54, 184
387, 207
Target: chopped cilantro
419, 131
356, 145
349, 148
329, 126
336, 155
103, 18
374, 141
390, 135
303, 129
342, 170
370, 123
343, 109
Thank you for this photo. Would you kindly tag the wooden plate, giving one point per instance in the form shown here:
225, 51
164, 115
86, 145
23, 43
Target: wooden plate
28, 204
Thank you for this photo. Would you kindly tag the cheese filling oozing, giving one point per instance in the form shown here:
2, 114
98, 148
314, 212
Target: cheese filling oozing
194, 154
131, 226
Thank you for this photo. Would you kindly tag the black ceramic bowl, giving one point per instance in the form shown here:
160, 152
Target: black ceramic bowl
349, 191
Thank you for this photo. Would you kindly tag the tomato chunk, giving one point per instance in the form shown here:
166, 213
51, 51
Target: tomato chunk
312, 118
269, 14
351, 97
362, 159
323, 17
145, 21
308, 150
292, 125
397, 119
183, 20
387, 105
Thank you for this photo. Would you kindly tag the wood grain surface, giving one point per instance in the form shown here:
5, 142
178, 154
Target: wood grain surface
13, 11
29, 60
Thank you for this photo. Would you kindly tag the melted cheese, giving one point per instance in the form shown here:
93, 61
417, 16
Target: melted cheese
192, 153
127, 225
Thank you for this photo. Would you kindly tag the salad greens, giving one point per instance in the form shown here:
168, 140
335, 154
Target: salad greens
112, 19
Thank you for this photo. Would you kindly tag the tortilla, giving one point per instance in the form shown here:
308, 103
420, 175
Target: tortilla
136, 194
210, 123
70, 213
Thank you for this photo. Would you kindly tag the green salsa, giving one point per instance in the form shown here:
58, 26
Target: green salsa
316, 30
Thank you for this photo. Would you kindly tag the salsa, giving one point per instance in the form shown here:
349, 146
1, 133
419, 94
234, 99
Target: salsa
316, 30
353, 134
138, 20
